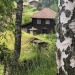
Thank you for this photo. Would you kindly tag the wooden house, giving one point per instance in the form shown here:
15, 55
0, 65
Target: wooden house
42, 22
34, 3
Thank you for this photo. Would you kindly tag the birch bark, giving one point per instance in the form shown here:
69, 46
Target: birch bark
65, 55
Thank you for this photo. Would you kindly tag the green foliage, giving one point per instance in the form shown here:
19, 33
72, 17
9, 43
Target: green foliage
5, 57
50, 38
54, 7
6, 10
27, 14
26, 19
4, 53
1, 69
43, 58
46, 3
42, 64
7, 37
34, 60
50, 3
44, 61
27, 54
5, 7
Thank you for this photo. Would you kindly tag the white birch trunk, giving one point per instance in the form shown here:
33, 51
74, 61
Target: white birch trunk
65, 55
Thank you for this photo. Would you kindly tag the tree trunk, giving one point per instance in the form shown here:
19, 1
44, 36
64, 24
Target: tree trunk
16, 55
65, 55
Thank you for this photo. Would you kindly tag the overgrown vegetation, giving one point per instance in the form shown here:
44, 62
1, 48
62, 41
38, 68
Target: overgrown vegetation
27, 12
34, 59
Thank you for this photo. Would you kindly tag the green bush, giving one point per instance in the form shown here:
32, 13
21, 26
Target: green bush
26, 19
27, 12
54, 7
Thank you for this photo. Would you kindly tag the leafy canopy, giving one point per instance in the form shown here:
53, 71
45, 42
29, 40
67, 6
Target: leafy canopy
6, 9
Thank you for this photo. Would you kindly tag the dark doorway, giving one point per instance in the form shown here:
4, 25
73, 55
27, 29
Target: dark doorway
44, 31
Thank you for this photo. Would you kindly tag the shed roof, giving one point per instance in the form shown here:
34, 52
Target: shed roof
46, 13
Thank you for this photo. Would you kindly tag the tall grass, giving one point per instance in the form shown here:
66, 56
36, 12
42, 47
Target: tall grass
35, 59
42, 64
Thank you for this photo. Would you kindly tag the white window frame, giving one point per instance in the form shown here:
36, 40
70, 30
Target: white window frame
38, 21
47, 22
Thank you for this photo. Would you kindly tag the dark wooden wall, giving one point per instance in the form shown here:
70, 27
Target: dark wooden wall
49, 27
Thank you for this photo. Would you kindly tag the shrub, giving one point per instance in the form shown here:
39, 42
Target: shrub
26, 19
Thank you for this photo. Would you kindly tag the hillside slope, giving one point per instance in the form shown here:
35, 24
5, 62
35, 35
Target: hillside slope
41, 58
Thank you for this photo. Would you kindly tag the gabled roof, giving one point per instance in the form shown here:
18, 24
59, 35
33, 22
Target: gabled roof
46, 13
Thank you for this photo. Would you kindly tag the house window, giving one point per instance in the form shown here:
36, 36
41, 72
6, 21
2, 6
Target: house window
47, 22
38, 21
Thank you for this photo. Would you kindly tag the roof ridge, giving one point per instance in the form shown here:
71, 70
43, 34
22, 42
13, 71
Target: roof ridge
44, 13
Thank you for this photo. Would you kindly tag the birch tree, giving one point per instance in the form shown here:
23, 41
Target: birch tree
65, 55
17, 48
